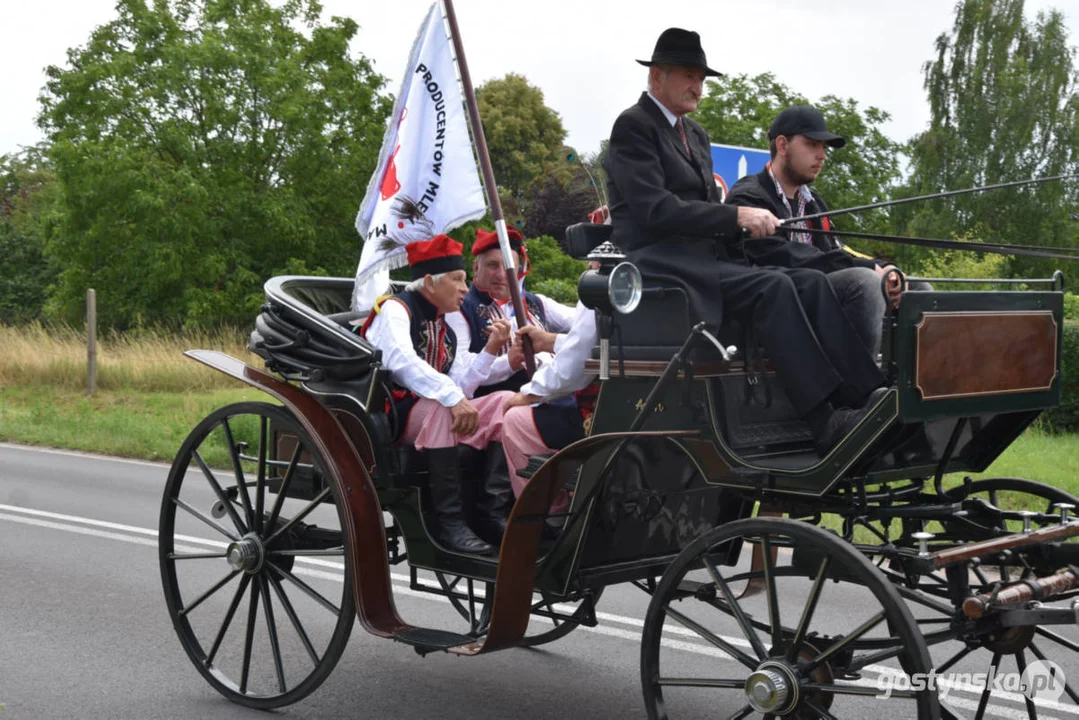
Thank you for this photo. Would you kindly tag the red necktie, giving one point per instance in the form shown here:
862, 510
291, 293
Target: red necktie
682, 134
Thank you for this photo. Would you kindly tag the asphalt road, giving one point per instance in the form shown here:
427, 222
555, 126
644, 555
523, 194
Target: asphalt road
84, 630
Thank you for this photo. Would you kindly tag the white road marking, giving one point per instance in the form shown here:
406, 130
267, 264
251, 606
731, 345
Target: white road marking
85, 455
148, 537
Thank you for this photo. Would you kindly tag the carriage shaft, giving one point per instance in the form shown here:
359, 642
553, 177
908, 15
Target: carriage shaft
963, 553
976, 606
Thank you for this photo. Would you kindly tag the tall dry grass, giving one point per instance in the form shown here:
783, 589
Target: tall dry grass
146, 360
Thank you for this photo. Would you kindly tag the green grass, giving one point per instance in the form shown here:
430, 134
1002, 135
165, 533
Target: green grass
1051, 459
124, 423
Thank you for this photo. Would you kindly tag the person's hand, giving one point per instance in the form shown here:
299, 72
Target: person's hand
516, 354
466, 418
498, 334
757, 221
519, 399
894, 287
542, 341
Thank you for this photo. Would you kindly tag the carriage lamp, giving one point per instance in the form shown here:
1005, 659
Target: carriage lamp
615, 287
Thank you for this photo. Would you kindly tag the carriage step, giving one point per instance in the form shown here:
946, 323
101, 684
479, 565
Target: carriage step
532, 466
427, 640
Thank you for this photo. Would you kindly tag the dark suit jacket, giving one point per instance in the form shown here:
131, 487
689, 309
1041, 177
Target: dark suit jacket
825, 254
665, 208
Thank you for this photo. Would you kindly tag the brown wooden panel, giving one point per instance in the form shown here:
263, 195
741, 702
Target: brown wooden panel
966, 354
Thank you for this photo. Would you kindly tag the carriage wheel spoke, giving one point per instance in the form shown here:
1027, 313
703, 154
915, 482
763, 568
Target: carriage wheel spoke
307, 589
221, 497
299, 516
861, 690
227, 533
845, 641
327, 552
1067, 688
743, 713
249, 638
810, 608
820, 710
993, 665
271, 629
241, 483
702, 683
954, 659
260, 477
1021, 664
217, 586
282, 491
1059, 639
195, 556
770, 592
736, 610
711, 637
228, 618
293, 618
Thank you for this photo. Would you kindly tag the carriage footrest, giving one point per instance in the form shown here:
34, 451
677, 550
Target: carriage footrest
532, 466
427, 640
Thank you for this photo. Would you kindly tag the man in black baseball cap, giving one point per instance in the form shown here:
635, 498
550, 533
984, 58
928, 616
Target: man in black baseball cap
799, 140
804, 120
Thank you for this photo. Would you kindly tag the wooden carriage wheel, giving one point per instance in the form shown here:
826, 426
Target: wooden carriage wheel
799, 661
255, 572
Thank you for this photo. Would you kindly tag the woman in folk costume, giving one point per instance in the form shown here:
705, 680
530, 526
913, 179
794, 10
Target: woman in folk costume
434, 377
488, 300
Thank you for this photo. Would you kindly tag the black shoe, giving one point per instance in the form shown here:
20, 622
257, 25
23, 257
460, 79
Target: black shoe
838, 426
494, 499
874, 397
450, 530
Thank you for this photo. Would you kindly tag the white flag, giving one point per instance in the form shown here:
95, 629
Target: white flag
426, 182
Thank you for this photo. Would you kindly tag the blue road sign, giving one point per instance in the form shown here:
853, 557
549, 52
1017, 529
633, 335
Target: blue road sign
731, 162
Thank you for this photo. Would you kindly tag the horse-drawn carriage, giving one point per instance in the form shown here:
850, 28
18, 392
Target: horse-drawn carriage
695, 483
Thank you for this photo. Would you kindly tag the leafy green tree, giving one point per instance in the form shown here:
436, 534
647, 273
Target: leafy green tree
740, 110
523, 134
203, 146
29, 206
1003, 104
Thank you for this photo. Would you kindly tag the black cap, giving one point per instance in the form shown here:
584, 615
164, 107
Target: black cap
804, 120
681, 48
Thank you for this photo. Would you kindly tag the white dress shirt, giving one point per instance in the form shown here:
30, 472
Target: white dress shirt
565, 373
391, 333
559, 319
671, 117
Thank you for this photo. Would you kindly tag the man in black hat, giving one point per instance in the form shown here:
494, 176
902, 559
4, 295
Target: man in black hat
668, 217
798, 141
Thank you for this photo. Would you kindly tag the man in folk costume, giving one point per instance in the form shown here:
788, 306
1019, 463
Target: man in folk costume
489, 300
434, 378
567, 394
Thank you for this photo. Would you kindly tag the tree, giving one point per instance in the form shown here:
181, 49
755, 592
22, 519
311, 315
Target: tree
740, 110
523, 134
203, 146
29, 195
1003, 106
563, 194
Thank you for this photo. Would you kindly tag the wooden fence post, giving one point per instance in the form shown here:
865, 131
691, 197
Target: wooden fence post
91, 341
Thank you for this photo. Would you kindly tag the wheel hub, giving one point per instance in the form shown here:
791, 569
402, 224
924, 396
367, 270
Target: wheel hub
245, 554
772, 688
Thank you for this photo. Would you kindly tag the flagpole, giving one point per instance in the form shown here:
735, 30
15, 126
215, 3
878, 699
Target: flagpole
489, 183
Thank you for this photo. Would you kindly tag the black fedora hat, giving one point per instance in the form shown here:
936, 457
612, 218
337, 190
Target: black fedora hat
681, 48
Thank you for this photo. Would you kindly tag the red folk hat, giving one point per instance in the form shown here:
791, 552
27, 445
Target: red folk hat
486, 240
440, 254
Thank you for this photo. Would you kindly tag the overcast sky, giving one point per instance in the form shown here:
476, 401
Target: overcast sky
579, 52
